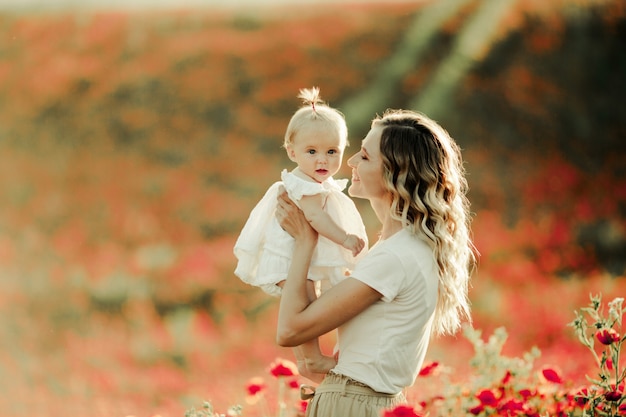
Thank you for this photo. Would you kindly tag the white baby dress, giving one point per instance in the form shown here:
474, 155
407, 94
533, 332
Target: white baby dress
264, 249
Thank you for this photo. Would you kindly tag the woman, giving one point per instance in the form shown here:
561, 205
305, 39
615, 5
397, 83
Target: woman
412, 283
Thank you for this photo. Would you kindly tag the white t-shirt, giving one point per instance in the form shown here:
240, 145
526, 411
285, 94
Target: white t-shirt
384, 346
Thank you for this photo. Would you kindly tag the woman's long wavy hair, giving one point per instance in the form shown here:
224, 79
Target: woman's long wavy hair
424, 173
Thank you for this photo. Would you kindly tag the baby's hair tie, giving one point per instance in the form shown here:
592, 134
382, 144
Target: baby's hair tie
310, 96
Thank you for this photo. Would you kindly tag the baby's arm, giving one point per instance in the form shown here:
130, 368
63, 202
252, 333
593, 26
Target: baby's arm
312, 205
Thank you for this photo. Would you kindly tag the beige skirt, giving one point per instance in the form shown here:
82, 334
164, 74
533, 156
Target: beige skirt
340, 396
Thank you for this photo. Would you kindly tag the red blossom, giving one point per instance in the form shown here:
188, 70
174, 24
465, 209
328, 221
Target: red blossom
255, 386
477, 409
526, 393
487, 397
551, 375
512, 407
609, 364
607, 336
401, 411
282, 367
621, 410
581, 397
293, 384
615, 394
507, 377
429, 369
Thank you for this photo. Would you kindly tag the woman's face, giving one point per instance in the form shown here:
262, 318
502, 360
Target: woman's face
367, 168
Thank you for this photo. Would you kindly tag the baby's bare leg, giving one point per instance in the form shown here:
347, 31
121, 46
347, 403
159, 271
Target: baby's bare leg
312, 356
311, 362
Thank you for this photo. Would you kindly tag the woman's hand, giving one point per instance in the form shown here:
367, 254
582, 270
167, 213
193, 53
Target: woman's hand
292, 219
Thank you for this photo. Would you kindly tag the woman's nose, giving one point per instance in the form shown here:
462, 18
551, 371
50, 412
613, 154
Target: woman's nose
351, 161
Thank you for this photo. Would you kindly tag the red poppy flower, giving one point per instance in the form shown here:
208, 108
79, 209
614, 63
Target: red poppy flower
429, 369
607, 336
621, 410
512, 406
282, 367
581, 397
255, 386
401, 411
526, 393
477, 409
487, 397
609, 364
615, 394
507, 377
551, 375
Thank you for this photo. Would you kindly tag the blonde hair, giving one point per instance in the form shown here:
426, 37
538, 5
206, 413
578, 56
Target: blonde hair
315, 111
424, 173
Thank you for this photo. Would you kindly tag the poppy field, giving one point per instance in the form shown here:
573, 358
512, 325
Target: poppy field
134, 144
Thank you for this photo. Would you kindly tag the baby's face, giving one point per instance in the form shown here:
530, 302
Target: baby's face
318, 152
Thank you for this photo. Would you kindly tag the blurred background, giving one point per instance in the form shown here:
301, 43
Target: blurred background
136, 136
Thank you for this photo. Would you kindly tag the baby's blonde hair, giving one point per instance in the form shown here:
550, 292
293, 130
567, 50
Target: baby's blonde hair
315, 111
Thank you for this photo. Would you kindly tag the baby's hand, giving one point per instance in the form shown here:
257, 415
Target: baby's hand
354, 243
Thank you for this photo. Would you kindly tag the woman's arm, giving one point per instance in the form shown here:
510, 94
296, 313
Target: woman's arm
335, 307
299, 321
